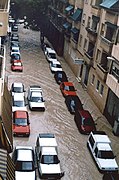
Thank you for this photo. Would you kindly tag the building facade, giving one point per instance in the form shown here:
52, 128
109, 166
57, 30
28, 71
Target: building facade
90, 45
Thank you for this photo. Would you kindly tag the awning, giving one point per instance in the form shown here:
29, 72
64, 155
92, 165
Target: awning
67, 25
69, 8
95, 18
108, 3
74, 30
113, 26
7, 167
77, 15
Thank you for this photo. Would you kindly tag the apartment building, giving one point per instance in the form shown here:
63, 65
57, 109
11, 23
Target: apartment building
7, 168
90, 44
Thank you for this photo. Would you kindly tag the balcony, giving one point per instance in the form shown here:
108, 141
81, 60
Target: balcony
102, 73
92, 34
113, 84
106, 44
115, 51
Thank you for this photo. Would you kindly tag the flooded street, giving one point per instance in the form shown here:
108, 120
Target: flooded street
75, 158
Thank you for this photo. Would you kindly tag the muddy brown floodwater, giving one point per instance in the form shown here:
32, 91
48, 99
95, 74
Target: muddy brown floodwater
75, 158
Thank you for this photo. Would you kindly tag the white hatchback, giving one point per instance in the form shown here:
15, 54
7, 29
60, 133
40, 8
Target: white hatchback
24, 160
18, 102
55, 66
50, 54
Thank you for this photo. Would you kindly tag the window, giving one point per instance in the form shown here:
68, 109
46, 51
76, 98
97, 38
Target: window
102, 30
91, 140
98, 84
85, 43
80, 40
101, 89
93, 79
89, 21
98, 55
84, 18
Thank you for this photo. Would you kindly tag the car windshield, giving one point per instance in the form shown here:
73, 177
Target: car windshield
21, 121
52, 55
49, 159
69, 88
24, 166
87, 122
56, 65
36, 99
19, 103
106, 155
18, 89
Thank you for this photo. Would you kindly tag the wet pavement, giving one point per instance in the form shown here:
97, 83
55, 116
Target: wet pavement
75, 158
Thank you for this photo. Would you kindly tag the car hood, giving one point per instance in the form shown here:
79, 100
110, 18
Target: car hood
107, 163
50, 168
15, 108
25, 175
36, 104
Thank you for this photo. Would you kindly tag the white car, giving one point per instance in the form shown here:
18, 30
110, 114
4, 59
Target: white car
24, 160
55, 66
99, 145
17, 87
18, 102
35, 98
15, 50
50, 54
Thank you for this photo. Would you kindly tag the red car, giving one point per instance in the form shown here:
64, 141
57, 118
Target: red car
84, 121
67, 88
21, 125
17, 66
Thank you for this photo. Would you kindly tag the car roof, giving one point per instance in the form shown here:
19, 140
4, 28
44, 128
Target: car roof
24, 154
85, 113
101, 138
36, 94
49, 151
17, 84
50, 50
104, 146
55, 61
18, 97
20, 114
68, 83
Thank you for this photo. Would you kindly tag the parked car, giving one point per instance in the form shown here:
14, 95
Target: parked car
21, 124
84, 121
17, 87
15, 50
15, 56
67, 88
100, 148
14, 39
17, 66
60, 76
24, 160
55, 66
15, 28
18, 102
50, 54
73, 104
35, 98
110, 176
47, 157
